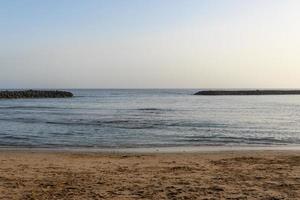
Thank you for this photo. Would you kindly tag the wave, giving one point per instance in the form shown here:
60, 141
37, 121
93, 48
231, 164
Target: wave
122, 124
239, 140
152, 109
198, 124
143, 123
22, 120
14, 137
29, 107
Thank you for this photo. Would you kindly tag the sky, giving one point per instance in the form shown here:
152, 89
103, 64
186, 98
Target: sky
149, 44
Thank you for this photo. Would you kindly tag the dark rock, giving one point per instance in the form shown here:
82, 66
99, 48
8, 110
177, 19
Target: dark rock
248, 92
34, 94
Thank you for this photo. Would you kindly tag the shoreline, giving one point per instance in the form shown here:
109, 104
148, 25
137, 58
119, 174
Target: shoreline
179, 149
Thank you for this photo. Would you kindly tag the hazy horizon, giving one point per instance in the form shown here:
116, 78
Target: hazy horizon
149, 44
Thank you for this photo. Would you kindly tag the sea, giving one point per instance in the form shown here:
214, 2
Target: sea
149, 118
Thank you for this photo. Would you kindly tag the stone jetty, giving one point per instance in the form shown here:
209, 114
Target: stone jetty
248, 92
17, 94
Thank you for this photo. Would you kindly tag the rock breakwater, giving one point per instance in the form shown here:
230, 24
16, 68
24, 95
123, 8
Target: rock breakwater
248, 92
34, 94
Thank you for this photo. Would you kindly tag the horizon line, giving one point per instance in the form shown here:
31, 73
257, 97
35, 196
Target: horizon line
148, 88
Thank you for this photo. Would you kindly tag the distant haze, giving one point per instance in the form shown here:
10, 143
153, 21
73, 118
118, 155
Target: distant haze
149, 44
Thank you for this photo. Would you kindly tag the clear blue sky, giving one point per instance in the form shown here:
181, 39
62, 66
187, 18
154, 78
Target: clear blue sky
142, 43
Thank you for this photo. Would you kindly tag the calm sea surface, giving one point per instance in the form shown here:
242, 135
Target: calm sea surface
149, 118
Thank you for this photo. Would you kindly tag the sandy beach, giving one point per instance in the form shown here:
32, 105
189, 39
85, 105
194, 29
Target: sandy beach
268, 175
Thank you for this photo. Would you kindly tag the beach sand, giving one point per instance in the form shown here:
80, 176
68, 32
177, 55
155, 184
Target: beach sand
268, 175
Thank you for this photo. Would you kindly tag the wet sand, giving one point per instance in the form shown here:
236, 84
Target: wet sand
268, 175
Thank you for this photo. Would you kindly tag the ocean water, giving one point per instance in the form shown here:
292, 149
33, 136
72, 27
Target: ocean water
149, 118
